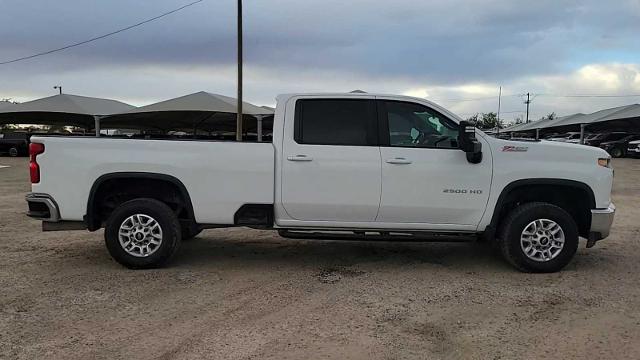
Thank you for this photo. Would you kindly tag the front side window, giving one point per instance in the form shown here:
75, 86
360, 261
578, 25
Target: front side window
415, 125
335, 122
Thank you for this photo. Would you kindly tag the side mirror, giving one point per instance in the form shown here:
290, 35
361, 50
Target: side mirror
468, 142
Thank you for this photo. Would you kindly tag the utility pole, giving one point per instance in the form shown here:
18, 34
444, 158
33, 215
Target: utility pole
59, 88
527, 102
499, 98
239, 106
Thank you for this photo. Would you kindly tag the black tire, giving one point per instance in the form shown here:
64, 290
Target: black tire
165, 217
516, 222
617, 152
188, 233
13, 152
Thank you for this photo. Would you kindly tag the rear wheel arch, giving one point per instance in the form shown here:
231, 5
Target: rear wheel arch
575, 197
162, 187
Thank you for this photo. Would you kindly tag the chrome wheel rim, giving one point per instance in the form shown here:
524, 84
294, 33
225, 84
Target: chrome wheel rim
542, 240
140, 235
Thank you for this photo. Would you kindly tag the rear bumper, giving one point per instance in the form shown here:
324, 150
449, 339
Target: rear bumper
42, 207
601, 220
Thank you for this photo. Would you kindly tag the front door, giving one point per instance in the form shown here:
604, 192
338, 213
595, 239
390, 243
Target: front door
426, 179
331, 162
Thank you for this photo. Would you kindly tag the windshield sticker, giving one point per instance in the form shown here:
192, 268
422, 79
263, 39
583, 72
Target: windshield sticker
509, 148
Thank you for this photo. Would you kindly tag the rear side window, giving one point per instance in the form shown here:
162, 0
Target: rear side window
335, 122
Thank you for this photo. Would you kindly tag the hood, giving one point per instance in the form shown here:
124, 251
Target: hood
550, 149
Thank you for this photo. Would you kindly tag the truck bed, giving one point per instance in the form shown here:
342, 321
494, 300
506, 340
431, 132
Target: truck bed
247, 176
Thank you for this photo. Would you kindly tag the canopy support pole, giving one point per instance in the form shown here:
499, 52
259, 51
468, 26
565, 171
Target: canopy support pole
582, 126
259, 118
96, 119
239, 118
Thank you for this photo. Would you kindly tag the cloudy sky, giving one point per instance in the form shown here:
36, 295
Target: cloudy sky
455, 52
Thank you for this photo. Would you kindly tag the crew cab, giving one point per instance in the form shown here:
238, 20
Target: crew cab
339, 166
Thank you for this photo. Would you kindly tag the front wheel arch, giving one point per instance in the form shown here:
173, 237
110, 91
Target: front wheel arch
575, 197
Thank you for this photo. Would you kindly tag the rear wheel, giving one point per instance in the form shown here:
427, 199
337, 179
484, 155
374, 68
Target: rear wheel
14, 151
617, 152
142, 234
539, 237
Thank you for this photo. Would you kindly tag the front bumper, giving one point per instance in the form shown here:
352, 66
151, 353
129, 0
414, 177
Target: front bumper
42, 207
601, 220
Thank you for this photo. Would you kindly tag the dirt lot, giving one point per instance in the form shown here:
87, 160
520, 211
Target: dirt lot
241, 294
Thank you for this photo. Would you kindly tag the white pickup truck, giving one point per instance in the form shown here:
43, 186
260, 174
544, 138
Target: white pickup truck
340, 166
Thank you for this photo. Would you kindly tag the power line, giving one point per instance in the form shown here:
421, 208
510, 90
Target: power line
101, 36
541, 94
591, 95
471, 99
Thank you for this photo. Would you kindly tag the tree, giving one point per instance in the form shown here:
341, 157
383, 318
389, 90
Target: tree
549, 117
474, 119
490, 121
485, 121
518, 120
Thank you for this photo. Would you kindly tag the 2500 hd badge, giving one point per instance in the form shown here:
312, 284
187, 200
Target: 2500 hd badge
462, 191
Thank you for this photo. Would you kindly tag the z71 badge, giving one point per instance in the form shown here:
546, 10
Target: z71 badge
509, 148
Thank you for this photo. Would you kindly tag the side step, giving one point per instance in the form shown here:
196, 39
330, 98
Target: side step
376, 235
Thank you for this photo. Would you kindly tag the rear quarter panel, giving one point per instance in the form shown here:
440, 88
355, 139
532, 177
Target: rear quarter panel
219, 176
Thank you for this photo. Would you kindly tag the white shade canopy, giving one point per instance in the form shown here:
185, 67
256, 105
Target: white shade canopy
558, 120
62, 109
629, 114
5, 104
626, 112
201, 101
201, 111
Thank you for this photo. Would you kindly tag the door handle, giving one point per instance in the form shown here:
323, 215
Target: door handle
299, 158
399, 161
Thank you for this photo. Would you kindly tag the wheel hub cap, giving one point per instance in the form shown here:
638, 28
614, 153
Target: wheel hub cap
542, 240
140, 235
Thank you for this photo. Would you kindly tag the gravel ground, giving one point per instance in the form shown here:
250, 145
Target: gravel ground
248, 294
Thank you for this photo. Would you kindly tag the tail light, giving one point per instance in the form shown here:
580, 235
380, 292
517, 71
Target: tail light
35, 149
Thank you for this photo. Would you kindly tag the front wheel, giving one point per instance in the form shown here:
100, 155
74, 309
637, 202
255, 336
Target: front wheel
539, 237
142, 233
617, 153
13, 152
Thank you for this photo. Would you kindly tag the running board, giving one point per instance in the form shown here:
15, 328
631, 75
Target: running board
378, 236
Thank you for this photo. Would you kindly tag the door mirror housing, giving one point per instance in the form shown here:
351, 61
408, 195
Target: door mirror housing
468, 142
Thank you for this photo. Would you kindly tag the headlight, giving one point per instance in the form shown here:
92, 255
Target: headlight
606, 162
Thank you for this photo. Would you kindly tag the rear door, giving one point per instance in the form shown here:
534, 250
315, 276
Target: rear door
426, 178
331, 162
